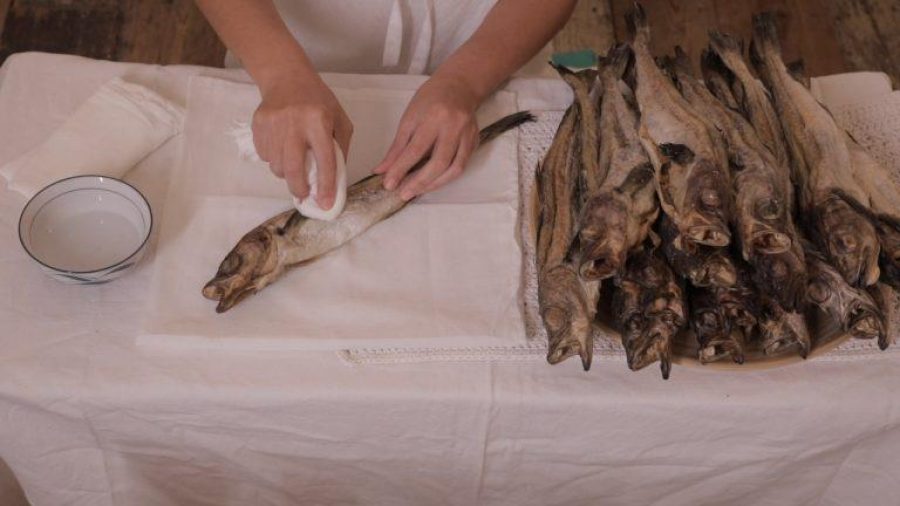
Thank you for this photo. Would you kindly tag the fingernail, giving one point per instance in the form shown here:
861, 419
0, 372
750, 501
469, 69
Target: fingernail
326, 203
407, 195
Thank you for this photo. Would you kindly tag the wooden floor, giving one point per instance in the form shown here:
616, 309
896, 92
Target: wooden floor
830, 35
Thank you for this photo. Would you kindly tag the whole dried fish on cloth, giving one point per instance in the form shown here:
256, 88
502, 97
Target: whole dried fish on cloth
766, 233
288, 239
567, 303
686, 151
617, 217
822, 166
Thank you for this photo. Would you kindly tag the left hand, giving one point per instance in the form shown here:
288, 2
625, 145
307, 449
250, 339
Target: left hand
440, 121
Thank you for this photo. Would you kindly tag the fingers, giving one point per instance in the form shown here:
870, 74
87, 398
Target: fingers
419, 146
441, 158
294, 167
401, 139
466, 147
322, 145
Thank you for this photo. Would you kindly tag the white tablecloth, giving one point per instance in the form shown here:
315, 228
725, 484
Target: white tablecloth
89, 418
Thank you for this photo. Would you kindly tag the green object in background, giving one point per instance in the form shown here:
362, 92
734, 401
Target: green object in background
583, 59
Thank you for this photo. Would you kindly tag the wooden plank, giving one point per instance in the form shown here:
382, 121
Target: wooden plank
869, 34
89, 27
804, 26
590, 27
167, 32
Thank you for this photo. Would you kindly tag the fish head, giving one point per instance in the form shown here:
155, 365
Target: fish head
603, 237
708, 204
246, 269
567, 319
716, 270
729, 344
652, 344
709, 324
782, 275
783, 332
849, 240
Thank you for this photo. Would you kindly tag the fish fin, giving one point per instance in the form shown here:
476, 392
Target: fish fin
504, 124
725, 43
797, 70
678, 153
617, 60
765, 35
637, 23
637, 179
682, 62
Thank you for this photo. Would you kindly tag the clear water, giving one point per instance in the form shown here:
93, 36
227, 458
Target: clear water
85, 241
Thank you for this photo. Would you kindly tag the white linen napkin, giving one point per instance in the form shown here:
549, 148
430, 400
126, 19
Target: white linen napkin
107, 135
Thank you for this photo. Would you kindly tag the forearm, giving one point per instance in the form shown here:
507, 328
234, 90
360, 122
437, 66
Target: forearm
255, 32
511, 34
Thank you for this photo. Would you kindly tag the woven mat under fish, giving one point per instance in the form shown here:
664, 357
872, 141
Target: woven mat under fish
873, 123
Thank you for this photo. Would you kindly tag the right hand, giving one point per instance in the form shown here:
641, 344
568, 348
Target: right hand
297, 114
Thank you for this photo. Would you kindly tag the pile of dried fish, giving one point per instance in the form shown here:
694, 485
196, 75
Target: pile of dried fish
772, 215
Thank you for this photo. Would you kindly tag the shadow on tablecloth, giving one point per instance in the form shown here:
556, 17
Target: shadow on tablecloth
10, 492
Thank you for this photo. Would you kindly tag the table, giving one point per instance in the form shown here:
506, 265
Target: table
87, 417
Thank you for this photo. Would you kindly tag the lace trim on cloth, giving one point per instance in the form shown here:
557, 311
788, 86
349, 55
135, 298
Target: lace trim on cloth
873, 123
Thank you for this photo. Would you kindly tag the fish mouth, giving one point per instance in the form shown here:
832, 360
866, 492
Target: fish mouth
716, 272
709, 235
653, 344
770, 242
863, 323
568, 337
709, 325
723, 347
779, 338
602, 261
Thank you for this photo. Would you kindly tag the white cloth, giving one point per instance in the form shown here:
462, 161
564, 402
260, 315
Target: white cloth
386, 36
382, 288
89, 418
107, 135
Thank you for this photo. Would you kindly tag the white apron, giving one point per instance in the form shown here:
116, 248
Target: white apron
385, 36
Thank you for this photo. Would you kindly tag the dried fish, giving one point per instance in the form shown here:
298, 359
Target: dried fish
617, 217
567, 303
781, 330
717, 336
591, 173
288, 239
852, 308
725, 59
821, 163
686, 151
662, 309
701, 265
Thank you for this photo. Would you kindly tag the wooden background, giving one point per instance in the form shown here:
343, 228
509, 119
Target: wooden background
831, 35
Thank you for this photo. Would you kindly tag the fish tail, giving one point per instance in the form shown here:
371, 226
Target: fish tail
637, 24
503, 125
765, 36
723, 43
617, 60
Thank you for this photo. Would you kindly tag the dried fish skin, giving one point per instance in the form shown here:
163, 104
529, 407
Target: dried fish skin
754, 98
555, 195
717, 79
821, 164
591, 173
852, 308
617, 218
882, 294
782, 276
701, 265
692, 167
713, 330
288, 239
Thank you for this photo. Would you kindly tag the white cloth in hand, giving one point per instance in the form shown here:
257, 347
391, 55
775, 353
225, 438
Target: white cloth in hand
107, 135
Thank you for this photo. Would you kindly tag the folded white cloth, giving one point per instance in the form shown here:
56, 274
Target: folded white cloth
397, 285
107, 135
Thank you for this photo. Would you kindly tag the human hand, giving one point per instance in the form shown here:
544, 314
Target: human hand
298, 113
440, 121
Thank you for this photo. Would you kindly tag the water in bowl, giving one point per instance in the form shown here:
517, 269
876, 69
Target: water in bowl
85, 241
